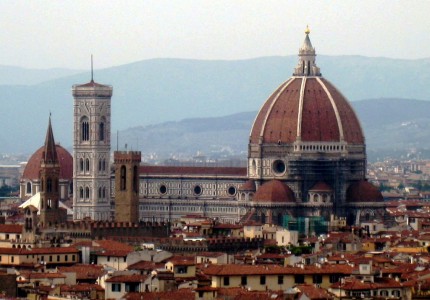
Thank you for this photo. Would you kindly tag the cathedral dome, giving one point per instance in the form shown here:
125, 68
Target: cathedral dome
274, 191
363, 191
32, 169
306, 108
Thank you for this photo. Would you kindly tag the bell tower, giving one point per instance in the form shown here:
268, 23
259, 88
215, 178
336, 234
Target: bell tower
50, 213
91, 151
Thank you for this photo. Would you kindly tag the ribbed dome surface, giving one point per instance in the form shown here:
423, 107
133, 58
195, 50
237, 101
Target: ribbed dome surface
274, 191
32, 169
363, 191
307, 108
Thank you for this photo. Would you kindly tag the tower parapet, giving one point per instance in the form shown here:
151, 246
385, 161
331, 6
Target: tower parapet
92, 89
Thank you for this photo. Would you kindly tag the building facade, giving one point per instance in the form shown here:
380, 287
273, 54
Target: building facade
91, 151
306, 159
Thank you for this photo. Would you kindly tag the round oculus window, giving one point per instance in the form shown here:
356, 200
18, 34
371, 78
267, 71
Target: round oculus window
197, 190
231, 190
163, 189
279, 166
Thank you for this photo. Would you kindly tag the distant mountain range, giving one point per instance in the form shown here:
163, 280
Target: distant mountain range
389, 124
168, 90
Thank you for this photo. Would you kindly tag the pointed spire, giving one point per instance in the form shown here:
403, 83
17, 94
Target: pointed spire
50, 153
306, 65
92, 70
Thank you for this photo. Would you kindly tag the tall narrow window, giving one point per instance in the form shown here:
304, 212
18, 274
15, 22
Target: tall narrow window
85, 129
81, 193
49, 185
123, 178
100, 192
28, 187
87, 165
104, 193
81, 165
87, 193
102, 131
136, 179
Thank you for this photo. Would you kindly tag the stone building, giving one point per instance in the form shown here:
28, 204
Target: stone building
306, 159
91, 151
306, 163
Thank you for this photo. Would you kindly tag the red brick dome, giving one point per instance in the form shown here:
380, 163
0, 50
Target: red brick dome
32, 169
274, 191
363, 191
307, 108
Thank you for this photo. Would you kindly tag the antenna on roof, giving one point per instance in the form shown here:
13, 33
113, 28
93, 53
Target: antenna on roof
92, 73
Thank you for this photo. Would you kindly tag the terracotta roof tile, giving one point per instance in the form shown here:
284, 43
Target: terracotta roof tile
11, 228
178, 171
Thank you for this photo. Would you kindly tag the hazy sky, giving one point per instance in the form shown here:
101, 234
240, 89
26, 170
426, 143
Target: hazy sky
46, 34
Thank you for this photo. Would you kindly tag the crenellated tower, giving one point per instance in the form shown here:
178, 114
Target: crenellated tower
91, 151
127, 186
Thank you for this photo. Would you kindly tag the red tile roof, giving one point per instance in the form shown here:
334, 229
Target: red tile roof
182, 294
32, 169
11, 228
363, 191
274, 191
127, 278
84, 272
278, 118
79, 288
196, 171
224, 270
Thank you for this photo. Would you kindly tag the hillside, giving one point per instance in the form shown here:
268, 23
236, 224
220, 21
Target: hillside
161, 90
389, 124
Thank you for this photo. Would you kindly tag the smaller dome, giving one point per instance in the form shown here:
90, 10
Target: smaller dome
363, 191
321, 187
248, 186
274, 191
32, 169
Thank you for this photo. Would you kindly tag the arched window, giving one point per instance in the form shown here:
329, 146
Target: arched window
122, 178
28, 187
87, 193
100, 192
102, 131
100, 164
104, 193
104, 165
81, 193
85, 129
87, 165
325, 198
